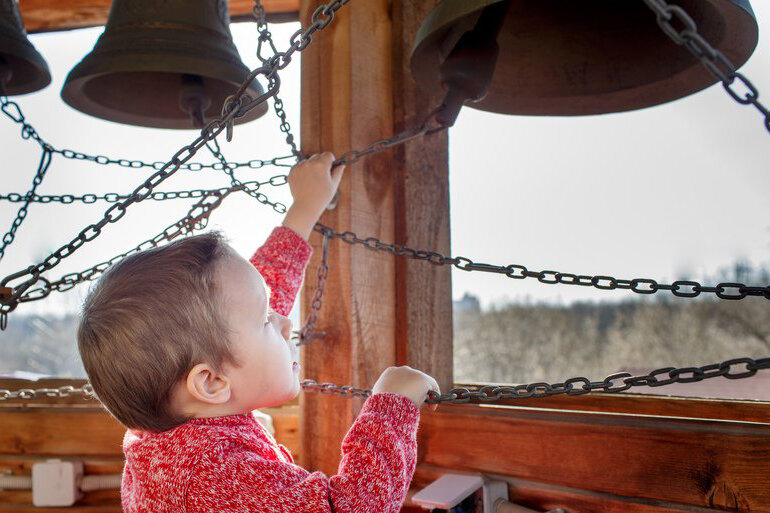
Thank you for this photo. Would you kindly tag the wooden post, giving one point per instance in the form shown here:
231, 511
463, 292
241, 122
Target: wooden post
378, 310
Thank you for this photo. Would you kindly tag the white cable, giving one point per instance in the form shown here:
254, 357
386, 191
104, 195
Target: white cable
15, 482
100, 482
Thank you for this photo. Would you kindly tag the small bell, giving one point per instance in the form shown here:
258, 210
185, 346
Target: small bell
570, 57
163, 64
22, 69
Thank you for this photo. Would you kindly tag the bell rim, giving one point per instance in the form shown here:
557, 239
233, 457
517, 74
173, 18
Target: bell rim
690, 80
82, 103
32, 59
90, 68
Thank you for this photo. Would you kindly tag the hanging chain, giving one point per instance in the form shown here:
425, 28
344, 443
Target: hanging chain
114, 197
714, 60
196, 219
233, 107
42, 167
213, 147
736, 368
87, 391
266, 37
307, 334
680, 288
13, 111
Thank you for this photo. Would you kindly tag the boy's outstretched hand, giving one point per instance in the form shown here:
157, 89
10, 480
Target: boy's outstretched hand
313, 183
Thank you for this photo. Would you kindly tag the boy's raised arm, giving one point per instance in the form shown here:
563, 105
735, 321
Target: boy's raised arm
285, 254
379, 454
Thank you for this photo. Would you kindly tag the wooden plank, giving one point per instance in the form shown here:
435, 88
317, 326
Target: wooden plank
544, 497
421, 184
640, 404
50, 431
346, 103
52, 15
60, 431
701, 463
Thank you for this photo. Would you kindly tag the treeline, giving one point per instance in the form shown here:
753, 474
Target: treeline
518, 342
524, 343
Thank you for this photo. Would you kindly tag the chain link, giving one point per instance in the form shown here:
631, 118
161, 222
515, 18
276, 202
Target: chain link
87, 391
308, 334
213, 147
680, 288
714, 60
736, 368
233, 107
42, 167
114, 197
266, 37
13, 111
196, 219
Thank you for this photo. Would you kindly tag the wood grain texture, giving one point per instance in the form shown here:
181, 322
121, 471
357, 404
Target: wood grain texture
545, 497
89, 434
421, 182
52, 15
640, 404
700, 463
347, 104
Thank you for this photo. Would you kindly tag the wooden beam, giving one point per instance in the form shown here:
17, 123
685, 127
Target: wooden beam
379, 310
53, 15
711, 464
424, 334
347, 103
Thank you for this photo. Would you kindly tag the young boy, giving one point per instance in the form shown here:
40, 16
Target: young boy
182, 343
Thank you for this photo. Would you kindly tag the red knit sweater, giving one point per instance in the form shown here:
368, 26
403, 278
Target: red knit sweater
232, 464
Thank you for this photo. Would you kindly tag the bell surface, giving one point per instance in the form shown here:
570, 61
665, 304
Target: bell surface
580, 57
28, 70
151, 54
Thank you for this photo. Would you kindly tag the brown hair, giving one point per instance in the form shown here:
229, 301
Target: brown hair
151, 318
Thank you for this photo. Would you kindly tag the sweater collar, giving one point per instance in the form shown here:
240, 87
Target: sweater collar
226, 420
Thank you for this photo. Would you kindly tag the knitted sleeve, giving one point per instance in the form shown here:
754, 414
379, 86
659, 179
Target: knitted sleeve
281, 261
379, 454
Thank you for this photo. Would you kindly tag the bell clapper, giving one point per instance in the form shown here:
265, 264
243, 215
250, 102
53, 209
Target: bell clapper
193, 99
467, 71
5, 74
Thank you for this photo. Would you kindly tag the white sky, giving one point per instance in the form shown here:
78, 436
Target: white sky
668, 192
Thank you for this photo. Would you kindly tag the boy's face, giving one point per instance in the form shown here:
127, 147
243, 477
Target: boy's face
261, 339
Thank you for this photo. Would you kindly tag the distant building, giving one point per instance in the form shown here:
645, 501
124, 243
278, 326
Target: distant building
468, 303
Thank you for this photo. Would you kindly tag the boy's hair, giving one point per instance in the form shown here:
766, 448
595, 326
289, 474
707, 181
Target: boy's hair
151, 318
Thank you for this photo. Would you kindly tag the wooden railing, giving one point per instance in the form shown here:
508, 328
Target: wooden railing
586, 454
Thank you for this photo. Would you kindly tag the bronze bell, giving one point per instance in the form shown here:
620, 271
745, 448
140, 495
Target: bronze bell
570, 57
22, 69
163, 64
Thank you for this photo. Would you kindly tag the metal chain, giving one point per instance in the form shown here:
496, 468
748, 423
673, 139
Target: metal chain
87, 391
307, 334
232, 108
680, 288
42, 167
736, 368
714, 60
114, 197
213, 147
266, 37
13, 111
196, 219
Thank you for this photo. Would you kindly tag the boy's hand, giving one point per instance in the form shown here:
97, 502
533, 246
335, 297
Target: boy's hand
313, 184
409, 382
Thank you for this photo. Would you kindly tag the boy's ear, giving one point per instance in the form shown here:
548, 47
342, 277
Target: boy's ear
206, 385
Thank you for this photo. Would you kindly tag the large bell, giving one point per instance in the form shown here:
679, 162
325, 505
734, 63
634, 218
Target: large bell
161, 63
22, 68
572, 57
